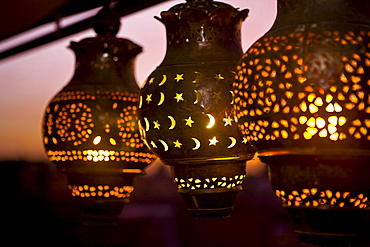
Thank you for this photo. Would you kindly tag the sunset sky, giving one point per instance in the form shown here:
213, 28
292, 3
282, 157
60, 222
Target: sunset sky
30, 79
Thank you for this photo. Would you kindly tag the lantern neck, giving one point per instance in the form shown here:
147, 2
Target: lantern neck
105, 61
202, 31
295, 12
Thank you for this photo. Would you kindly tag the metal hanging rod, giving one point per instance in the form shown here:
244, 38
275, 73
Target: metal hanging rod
123, 7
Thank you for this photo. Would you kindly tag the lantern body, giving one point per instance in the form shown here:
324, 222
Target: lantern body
90, 127
302, 98
186, 112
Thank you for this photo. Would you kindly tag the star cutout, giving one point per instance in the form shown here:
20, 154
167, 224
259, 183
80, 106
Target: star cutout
179, 77
189, 122
219, 77
213, 141
149, 98
216, 96
153, 144
151, 80
156, 124
177, 144
228, 121
245, 141
178, 97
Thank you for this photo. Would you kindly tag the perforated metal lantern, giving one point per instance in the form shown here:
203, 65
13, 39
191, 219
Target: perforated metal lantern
186, 112
302, 98
90, 127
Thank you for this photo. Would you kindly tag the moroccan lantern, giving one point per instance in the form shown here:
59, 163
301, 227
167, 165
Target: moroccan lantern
302, 98
186, 114
90, 127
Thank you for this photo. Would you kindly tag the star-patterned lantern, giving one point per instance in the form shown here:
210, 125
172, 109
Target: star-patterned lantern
185, 110
302, 97
90, 127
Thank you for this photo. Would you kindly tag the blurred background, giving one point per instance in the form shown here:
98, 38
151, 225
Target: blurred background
36, 207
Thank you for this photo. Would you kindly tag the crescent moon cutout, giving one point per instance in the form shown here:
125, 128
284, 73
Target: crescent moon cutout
211, 121
140, 126
146, 124
232, 97
197, 143
165, 146
173, 122
143, 134
198, 97
197, 77
233, 142
164, 79
140, 101
161, 99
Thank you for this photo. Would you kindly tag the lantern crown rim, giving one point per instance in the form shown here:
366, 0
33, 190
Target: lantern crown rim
213, 13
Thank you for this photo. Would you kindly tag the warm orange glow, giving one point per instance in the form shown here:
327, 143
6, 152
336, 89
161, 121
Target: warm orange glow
313, 108
326, 197
156, 124
162, 98
97, 140
177, 144
332, 129
311, 131
173, 122
284, 134
101, 191
165, 146
307, 135
112, 141
210, 183
333, 120
138, 171
179, 97
100, 156
211, 121
311, 97
179, 77
163, 81
311, 122
302, 119
189, 122
334, 137
323, 133
149, 98
303, 106
330, 108
213, 141
320, 122
329, 98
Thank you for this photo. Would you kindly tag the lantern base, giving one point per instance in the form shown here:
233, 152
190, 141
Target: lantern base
100, 196
210, 203
209, 188
325, 227
101, 211
326, 193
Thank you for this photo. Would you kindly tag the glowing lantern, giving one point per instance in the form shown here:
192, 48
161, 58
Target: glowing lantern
186, 113
90, 127
302, 98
